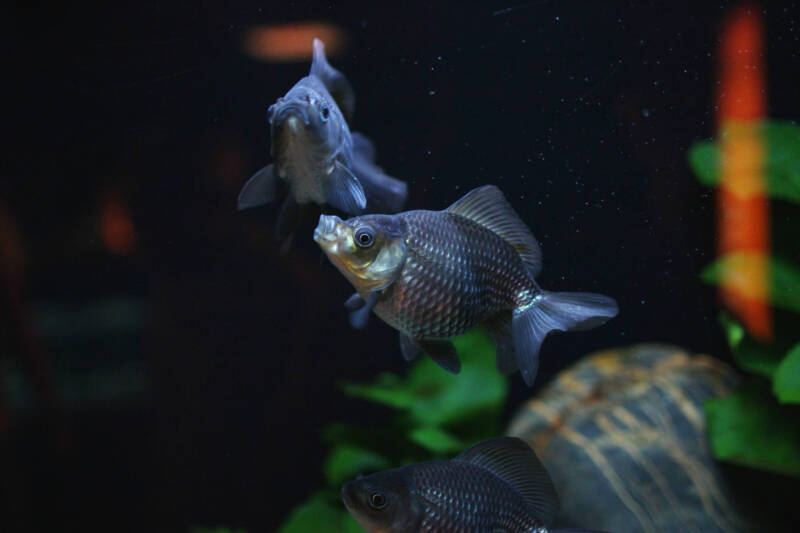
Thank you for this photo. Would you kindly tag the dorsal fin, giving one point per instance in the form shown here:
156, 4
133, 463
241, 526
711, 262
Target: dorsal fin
334, 81
488, 207
513, 461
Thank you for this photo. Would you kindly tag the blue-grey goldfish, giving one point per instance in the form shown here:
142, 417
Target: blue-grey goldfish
433, 275
497, 486
317, 156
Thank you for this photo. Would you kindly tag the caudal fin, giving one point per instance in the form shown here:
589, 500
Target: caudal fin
555, 311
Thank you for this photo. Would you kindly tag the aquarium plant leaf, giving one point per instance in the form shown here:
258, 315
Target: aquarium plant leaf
758, 358
703, 161
734, 331
750, 428
346, 462
436, 440
782, 160
784, 279
319, 515
785, 290
786, 383
433, 397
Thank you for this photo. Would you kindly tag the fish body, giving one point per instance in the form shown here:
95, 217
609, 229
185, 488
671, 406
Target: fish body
317, 156
497, 486
433, 275
457, 275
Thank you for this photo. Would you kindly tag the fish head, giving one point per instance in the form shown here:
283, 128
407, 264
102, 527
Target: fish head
384, 502
307, 112
369, 250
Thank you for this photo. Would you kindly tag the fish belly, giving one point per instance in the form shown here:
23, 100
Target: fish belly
300, 169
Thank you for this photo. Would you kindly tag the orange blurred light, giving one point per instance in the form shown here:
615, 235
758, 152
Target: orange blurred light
291, 42
742, 204
116, 225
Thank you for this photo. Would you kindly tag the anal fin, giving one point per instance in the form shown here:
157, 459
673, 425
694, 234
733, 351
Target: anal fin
499, 327
408, 347
443, 353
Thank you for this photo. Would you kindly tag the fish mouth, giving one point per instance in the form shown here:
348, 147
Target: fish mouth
325, 232
292, 113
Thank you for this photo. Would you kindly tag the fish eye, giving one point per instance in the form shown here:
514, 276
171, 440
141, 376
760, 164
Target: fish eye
377, 501
325, 112
365, 237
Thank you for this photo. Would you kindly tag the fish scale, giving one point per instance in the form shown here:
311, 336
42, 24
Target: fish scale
457, 275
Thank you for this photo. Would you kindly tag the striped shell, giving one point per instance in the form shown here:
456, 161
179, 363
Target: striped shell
622, 434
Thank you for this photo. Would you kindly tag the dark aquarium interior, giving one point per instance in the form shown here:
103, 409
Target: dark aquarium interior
166, 364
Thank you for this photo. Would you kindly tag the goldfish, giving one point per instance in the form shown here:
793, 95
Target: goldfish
496, 486
317, 156
433, 275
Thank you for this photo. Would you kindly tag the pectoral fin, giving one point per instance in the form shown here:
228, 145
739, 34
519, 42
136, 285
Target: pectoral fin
360, 317
260, 189
343, 190
354, 302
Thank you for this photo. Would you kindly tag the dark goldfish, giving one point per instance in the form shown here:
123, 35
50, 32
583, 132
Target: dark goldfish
437, 274
497, 486
316, 154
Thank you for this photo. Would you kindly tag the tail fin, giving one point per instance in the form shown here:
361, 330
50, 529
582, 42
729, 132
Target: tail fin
334, 81
555, 311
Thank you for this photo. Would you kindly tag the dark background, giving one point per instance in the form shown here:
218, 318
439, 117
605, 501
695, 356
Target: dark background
208, 364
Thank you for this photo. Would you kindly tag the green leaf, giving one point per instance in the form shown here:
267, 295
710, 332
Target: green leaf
703, 161
345, 462
734, 331
785, 289
755, 357
786, 383
750, 428
436, 440
319, 515
784, 279
782, 162
433, 397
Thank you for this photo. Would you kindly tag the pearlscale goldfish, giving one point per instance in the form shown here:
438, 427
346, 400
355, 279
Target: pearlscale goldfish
497, 486
315, 153
433, 275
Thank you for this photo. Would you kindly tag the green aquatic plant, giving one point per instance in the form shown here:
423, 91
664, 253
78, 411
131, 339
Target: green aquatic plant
757, 425
434, 415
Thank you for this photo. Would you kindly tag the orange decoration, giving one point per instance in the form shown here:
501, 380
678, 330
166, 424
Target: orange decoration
742, 204
118, 231
291, 42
